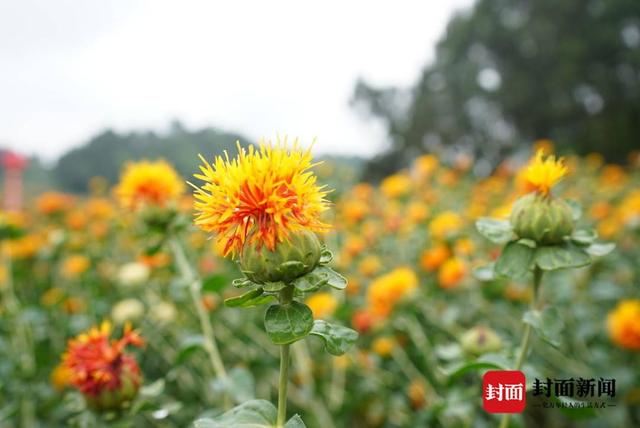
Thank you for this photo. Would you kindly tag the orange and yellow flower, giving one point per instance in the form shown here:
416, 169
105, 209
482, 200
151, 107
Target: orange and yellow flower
322, 304
260, 197
542, 174
387, 290
99, 364
623, 324
148, 182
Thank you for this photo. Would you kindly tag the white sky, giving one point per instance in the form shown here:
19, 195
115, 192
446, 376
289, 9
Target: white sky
70, 68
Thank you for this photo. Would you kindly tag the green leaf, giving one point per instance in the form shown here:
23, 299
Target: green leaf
243, 282
527, 242
496, 231
295, 422
334, 279
251, 414
214, 283
274, 287
514, 261
561, 256
291, 269
469, 366
576, 209
599, 250
584, 236
311, 281
249, 299
484, 273
288, 323
325, 256
337, 339
548, 324
153, 389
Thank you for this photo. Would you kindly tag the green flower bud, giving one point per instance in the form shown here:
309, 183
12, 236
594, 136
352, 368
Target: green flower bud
292, 258
543, 219
480, 340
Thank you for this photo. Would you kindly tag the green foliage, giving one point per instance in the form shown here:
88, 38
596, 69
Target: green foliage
251, 414
338, 339
288, 323
547, 324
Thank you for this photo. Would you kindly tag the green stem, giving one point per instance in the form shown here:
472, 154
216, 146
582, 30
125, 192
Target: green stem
286, 296
526, 338
195, 286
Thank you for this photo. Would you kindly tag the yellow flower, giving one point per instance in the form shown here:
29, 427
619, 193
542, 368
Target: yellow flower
542, 174
148, 182
61, 377
74, 265
445, 224
623, 324
259, 197
383, 346
395, 185
370, 265
51, 203
432, 258
322, 304
451, 273
386, 290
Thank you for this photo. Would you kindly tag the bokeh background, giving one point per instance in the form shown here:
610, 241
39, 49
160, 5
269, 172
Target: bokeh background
423, 113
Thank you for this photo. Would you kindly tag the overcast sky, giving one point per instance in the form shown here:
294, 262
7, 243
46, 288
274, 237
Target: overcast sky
70, 68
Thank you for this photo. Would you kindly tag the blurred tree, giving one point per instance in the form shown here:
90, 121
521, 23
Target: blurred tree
515, 70
105, 154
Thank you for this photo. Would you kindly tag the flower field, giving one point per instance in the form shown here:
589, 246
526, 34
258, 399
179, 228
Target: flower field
270, 290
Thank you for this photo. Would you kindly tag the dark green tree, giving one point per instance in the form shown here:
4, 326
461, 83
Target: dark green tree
513, 71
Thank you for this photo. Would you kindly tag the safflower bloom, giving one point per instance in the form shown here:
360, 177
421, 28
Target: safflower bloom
386, 290
100, 368
75, 265
395, 185
432, 258
260, 197
383, 346
542, 174
445, 225
147, 182
451, 273
623, 324
52, 203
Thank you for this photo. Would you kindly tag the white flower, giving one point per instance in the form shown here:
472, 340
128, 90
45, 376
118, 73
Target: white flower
127, 310
133, 274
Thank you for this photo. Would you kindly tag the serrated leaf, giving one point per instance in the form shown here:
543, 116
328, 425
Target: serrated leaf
496, 231
249, 299
561, 256
547, 323
337, 339
251, 414
599, 250
514, 261
288, 323
484, 273
584, 236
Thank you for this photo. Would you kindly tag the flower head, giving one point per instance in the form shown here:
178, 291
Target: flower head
100, 365
387, 290
148, 182
260, 197
624, 324
542, 174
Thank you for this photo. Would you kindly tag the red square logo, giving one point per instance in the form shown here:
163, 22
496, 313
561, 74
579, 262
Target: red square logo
504, 391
